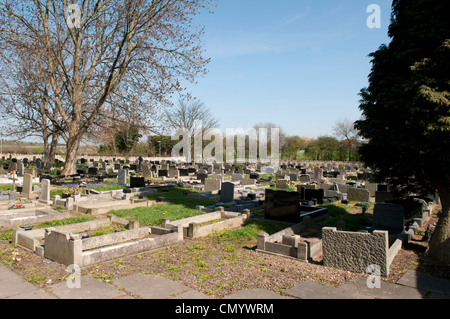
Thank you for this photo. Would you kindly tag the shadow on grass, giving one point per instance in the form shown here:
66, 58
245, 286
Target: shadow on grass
353, 222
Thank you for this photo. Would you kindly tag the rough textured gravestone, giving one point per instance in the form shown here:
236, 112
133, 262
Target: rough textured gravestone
27, 186
45, 191
122, 177
237, 177
358, 195
212, 184
282, 184
388, 217
227, 192
282, 206
248, 181
305, 179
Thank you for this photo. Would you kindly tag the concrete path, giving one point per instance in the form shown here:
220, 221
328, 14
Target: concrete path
413, 285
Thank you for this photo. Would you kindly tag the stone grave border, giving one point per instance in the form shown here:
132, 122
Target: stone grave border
64, 244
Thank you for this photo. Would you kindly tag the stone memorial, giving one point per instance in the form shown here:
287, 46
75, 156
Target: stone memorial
227, 192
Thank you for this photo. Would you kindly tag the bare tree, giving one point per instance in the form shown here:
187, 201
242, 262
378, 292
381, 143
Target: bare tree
346, 130
92, 49
187, 113
24, 105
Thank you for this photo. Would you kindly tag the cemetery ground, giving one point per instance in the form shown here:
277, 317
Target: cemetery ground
221, 263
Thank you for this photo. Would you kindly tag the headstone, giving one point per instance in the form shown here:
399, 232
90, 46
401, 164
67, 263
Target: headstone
92, 171
27, 186
388, 217
227, 192
183, 172
282, 184
248, 181
137, 182
202, 177
45, 191
212, 184
122, 177
305, 179
358, 195
163, 173
282, 206
146, 171
237, 177
20, 169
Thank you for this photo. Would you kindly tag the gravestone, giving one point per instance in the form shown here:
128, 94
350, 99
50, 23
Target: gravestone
173, 172
137, 182
122, 177
146, 171
382, 197
282, 206
183, 172
163, 173
117, 167
254, 175
293, 177
388, 217
305, 179
358, 195
237, 177
282, 184
202, 177
92, 171
227, 192
248, 181
27, 186
311, 193
20, 169
212, 184
45, 191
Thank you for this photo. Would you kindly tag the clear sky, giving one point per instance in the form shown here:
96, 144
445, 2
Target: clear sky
299, 64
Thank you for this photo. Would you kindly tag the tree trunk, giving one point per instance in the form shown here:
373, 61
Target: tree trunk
70, 166
439, 246
51, 153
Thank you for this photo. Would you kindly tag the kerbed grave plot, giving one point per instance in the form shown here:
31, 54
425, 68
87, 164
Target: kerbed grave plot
72, 244
29, 216
204, 225
301, 241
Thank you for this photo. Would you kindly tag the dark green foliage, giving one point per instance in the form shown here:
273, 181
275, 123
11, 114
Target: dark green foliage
406, 108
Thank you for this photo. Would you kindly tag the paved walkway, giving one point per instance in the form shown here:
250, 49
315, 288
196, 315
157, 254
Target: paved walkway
413, 285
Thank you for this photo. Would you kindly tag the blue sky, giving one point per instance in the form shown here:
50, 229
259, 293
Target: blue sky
299, 64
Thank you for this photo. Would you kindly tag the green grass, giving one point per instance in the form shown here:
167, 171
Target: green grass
62, 222
176, 196
153, 216
252, 230
178, 206
353, 222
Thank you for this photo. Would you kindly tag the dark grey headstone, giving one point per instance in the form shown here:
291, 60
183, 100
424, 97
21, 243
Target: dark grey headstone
227, 192
282, 206
388, 217
137, 182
